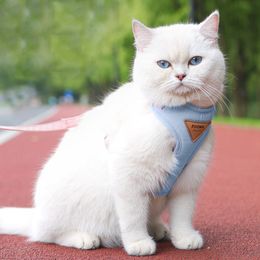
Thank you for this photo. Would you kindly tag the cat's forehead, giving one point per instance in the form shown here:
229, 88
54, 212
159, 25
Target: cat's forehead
177, 41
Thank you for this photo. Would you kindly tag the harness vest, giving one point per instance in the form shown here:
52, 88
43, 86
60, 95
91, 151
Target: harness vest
189, 125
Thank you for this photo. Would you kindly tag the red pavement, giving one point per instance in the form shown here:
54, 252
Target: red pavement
228, 211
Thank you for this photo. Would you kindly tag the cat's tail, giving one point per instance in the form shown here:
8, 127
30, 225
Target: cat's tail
16, 221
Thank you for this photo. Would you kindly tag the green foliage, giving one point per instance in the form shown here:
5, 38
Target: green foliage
87, 46
235, 121
240, 41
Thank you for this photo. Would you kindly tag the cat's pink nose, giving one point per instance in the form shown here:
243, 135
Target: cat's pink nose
181, 76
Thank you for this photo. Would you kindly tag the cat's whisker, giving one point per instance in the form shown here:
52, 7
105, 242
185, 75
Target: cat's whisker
214, 88
222, 98
196, 81
204, 91
198, 95
208, 96
214, 91
221, 93
166, 84
214, 94
221, 102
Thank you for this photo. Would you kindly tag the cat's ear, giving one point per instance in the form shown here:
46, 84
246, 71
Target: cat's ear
143, 35
209, 27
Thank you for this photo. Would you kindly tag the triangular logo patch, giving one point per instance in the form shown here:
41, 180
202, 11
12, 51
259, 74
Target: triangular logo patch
196, 129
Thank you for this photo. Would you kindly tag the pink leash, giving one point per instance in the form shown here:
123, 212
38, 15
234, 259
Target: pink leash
62, 124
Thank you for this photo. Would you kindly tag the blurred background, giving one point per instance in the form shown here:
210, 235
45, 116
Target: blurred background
76, 51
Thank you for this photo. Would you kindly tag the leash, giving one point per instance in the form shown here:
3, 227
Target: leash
62, 124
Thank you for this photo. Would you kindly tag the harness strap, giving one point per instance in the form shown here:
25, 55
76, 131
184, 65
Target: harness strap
189, 125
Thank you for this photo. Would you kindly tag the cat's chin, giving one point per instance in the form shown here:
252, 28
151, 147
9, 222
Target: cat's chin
181, 90
179, 100
176, 96
202, 103
194, 97
172, 101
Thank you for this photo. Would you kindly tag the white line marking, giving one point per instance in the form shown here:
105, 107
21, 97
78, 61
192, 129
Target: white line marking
8, 135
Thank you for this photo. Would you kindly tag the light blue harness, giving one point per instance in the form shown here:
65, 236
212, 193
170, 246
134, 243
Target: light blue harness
190, 126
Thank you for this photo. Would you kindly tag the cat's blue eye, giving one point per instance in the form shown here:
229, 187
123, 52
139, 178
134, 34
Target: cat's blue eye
195, 60
164, 64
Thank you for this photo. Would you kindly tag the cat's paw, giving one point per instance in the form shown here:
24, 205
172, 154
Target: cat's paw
79, 240
188, 240
142, 247
159, 231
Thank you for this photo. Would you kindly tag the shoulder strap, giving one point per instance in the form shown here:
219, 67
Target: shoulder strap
189, 125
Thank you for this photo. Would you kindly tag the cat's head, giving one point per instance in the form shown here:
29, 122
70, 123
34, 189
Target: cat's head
179, 63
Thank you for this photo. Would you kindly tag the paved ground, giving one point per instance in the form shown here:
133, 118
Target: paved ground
23, 116
228, 212
19, 115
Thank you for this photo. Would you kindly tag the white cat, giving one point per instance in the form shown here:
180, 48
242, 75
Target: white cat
97, 188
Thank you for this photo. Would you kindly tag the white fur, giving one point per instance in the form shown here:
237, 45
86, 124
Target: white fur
98, 185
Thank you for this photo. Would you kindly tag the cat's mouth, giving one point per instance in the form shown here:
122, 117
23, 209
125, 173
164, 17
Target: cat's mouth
182, 90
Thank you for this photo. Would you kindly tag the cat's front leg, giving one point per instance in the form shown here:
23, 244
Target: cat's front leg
157, 228
131, 197
132, 210
182, 200
134, 172
183, 235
